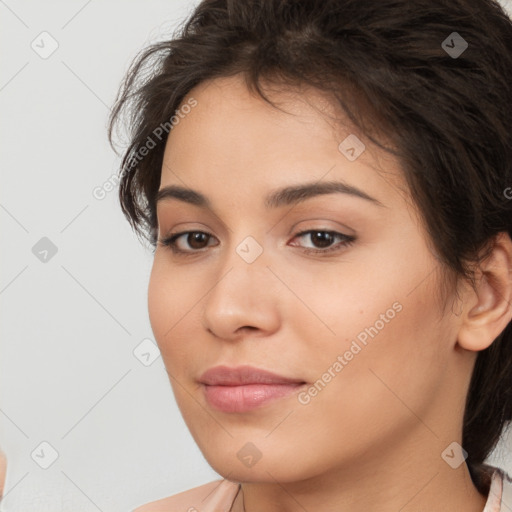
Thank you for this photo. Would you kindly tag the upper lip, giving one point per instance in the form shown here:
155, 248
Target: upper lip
226, 376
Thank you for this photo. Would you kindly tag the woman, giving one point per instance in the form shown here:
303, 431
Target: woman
326, 188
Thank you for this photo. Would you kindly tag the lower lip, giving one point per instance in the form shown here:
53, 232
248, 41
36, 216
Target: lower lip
247, 397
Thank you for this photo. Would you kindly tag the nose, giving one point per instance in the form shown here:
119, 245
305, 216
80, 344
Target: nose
244, 297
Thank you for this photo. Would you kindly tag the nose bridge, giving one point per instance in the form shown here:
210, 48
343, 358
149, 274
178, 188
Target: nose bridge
243, 270
242, 294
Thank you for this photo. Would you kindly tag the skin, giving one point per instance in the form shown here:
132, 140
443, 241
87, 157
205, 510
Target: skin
372, 439
3, 469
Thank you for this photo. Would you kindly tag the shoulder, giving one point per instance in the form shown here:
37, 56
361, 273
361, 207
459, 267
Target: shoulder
206, 497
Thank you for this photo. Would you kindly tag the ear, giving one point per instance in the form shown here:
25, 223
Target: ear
488, 308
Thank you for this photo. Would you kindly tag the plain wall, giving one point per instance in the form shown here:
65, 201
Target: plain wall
68, 374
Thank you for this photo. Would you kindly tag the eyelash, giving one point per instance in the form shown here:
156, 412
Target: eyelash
348, 240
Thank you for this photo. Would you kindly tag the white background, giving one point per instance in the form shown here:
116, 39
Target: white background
68, 375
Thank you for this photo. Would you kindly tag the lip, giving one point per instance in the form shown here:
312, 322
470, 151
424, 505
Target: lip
244, 388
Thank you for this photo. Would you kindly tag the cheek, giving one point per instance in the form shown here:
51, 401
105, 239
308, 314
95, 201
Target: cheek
175, 302
388, 360
385, 326
381, 390
170, 303
159, 302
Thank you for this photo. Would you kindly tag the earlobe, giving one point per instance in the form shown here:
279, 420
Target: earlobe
488, 308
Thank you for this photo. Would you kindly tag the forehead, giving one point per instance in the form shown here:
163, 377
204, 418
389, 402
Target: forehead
233, 136
292, 106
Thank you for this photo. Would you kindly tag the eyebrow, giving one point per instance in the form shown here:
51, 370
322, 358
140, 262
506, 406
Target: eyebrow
277, 198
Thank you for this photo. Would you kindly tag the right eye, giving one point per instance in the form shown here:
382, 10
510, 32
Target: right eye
194, 239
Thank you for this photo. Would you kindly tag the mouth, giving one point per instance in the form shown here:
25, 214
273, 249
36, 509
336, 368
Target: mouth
244, 388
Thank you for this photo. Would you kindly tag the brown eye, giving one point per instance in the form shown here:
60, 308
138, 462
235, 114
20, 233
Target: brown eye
196, 238
194, 241
322, 240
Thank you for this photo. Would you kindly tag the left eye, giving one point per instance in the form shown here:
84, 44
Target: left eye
325, 239
197, 239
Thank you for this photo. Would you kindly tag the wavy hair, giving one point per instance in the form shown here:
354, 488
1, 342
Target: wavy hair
390, 65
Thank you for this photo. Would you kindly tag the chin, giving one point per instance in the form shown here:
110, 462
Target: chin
236, 465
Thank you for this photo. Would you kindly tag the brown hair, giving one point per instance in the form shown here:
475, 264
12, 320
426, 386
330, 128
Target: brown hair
391, 65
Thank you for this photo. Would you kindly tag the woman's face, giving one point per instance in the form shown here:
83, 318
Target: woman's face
373, 365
